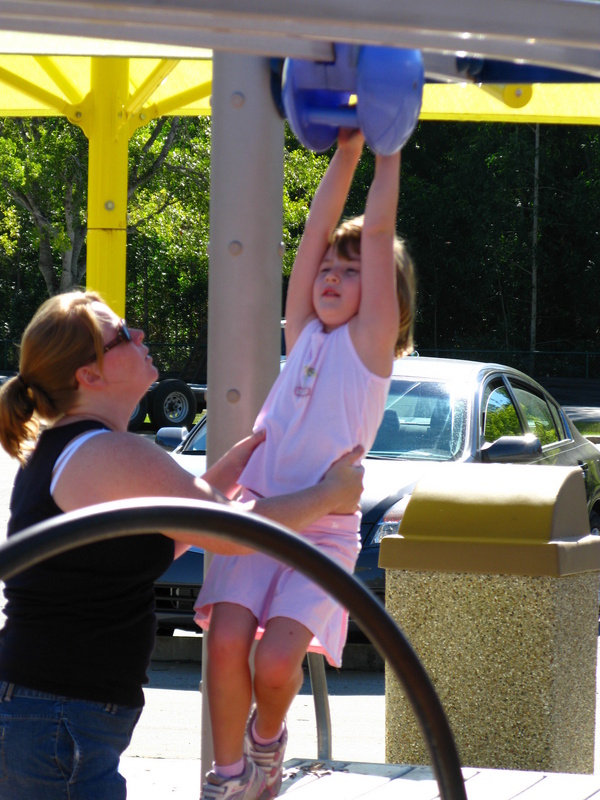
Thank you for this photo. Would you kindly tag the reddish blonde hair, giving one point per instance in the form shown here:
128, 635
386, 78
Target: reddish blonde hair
63, 335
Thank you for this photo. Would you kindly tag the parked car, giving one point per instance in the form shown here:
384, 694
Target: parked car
438, 411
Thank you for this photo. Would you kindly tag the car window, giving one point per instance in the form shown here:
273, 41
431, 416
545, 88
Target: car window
500, 417
196, 443
561, 427
422, 420
538, 415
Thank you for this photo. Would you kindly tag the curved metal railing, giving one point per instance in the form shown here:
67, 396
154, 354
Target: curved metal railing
132, 517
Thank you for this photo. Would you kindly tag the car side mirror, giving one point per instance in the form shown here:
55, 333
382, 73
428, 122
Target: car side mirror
170, 438
511, 449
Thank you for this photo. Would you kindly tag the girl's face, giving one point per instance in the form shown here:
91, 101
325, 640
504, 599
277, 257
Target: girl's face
336, 290
125, 362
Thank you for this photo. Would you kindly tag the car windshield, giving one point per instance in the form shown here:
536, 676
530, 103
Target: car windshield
423, 420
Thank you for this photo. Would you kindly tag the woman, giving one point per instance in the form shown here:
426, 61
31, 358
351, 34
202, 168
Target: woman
80, 626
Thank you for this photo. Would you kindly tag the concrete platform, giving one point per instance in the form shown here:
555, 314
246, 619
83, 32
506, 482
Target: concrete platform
340, 780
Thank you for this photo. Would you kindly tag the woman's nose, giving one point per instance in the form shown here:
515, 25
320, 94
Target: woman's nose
138, 335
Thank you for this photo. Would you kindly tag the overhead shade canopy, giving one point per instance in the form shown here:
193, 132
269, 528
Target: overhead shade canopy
575, 104
111, 86
51, 75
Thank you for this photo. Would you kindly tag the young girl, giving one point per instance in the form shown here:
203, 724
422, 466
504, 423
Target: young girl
349, 312
80, 626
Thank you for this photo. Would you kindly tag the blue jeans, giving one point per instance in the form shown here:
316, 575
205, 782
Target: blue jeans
55, 748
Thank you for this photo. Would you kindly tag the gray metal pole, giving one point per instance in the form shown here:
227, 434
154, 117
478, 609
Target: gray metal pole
244, 296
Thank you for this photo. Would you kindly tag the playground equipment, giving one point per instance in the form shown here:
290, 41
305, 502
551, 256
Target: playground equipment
376, 89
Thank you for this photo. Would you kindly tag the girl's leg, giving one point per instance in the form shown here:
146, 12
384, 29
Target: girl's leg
277, 680
278, 672
228, 679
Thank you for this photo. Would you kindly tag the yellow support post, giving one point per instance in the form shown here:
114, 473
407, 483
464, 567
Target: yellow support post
107, 130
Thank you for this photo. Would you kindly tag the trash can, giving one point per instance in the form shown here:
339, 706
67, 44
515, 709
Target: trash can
494, 580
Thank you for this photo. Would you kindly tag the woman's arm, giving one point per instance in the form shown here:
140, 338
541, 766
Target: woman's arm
120, 466
224, 474
338, 492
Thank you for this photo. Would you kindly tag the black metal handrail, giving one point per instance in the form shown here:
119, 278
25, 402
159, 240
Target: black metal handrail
133, 517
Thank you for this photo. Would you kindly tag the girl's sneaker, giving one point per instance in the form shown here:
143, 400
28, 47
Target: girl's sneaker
250, 785
268, 757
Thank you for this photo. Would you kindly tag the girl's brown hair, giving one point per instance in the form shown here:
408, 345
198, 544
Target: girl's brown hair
346, 241
63, 335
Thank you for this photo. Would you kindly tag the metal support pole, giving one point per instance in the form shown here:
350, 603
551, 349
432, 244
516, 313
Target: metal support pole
318, 682
103, 120
244, 296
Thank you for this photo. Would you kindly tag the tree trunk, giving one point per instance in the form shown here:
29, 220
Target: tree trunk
45, 262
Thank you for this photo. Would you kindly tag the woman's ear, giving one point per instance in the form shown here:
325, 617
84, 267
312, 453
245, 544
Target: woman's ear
88, 375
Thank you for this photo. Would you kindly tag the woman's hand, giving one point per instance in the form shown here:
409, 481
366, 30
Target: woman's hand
345, 476
224, 473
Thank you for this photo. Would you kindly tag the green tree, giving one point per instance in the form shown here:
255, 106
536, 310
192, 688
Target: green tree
167, 247
43, 163
466, 211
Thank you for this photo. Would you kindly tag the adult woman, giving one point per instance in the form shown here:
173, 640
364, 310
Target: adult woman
80, 627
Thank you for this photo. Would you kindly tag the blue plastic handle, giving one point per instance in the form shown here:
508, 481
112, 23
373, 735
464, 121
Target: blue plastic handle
334, 117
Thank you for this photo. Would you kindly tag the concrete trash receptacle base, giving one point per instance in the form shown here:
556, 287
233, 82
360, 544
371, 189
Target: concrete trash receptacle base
513, 660
494, 581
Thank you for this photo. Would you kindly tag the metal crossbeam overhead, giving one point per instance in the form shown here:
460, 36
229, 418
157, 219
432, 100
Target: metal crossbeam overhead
550, 32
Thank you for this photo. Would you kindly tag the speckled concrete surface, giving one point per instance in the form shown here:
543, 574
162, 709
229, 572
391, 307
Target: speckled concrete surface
514, 662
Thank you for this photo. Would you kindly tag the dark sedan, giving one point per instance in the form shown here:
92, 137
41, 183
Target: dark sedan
438, 411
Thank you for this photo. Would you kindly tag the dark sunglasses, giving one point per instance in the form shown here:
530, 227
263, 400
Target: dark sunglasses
123, 335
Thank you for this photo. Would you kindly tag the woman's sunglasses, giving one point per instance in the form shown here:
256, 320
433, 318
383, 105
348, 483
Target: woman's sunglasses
123, 335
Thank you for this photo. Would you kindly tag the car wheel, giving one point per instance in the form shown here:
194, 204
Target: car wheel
595, 523
173, 405
139, 415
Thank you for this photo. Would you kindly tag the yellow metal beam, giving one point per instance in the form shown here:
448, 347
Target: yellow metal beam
107, 183
150, 85
29, 89
187, 98
564, 103
59, 78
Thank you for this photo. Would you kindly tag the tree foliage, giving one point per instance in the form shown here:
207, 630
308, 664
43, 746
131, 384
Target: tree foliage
167, 246
466, 212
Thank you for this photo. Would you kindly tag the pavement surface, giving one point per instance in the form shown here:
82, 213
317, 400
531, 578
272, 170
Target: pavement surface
163, 759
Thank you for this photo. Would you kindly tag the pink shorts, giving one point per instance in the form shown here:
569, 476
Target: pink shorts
268, 588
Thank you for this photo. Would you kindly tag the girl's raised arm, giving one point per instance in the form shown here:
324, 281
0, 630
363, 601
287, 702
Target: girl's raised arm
375, 328
325, 212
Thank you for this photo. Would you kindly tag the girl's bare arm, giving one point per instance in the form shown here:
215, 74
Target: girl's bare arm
325, 211
375, 329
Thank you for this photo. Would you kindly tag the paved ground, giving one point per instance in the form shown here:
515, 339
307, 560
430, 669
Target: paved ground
166, 746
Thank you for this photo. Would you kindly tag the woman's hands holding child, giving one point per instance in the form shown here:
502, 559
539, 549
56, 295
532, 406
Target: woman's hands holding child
224, 474
345, 476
